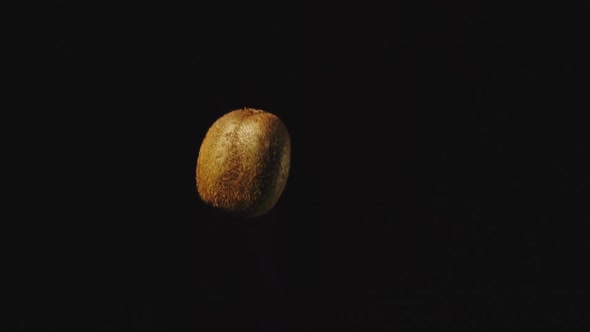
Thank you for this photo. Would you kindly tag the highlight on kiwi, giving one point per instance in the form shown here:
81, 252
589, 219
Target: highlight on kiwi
243, 162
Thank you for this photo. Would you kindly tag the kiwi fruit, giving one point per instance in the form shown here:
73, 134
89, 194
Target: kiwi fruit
244, 162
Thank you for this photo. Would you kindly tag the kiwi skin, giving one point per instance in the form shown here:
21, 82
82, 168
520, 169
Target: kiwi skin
244, 162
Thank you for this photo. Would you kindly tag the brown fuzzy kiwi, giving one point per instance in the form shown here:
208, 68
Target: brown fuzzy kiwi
244, 162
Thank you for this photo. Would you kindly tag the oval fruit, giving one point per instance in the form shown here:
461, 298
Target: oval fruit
244, 162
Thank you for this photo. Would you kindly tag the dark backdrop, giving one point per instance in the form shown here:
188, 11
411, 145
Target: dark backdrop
439, 174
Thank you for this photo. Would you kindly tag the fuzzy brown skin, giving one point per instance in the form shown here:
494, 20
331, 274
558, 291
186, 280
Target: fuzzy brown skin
244, 161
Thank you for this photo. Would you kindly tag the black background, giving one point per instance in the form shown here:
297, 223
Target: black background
439, 174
